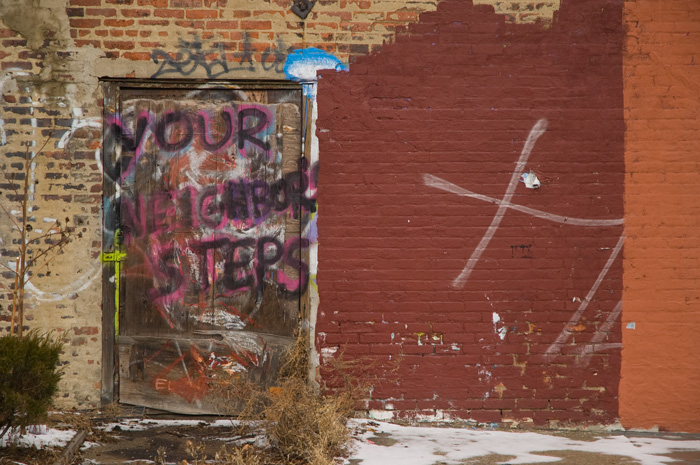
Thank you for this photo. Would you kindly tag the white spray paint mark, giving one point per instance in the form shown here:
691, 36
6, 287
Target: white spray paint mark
576, 317
595, 344
329, 351
500, 332
94, 122
11, 73
438, 183
79, 285
218, 317
631, 325
504, 204
537, 131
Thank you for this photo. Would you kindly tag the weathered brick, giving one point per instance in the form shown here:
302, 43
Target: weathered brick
118, 22
103, 12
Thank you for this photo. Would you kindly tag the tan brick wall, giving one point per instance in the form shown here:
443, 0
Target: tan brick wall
524, 11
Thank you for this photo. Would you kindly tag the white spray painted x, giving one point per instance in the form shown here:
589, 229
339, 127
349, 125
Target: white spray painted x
503, 205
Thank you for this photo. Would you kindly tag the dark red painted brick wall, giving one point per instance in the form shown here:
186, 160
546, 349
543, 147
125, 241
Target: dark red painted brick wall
451, 103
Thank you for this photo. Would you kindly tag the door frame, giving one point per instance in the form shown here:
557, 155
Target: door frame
110, 256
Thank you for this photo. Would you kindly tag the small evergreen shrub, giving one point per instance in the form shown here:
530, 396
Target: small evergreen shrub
29, 378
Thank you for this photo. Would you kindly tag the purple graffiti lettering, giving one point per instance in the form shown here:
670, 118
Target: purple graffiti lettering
260, 198
240, 204
291, 286
205, 126
236, 195
237, 276
268, 252
175, 131
170, 274
247, 131
162, 211
205, 249
133, 217
248, 264
118, 135
165, 130
210, 207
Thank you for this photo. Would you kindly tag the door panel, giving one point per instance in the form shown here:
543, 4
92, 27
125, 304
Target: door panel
211, 192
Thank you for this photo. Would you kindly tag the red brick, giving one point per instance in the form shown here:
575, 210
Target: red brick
201, 14
84, 23
190, 24
168, 13
255, 25
86, 43
119, 22
222, 24
154, 22
186, 3
104, 12
135, 13
137, 56
118, 44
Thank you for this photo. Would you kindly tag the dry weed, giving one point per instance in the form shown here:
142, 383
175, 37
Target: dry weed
246, 455
80, 421
113, 410
301, 425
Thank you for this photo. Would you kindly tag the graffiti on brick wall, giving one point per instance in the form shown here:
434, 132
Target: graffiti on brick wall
505, 204
193, 55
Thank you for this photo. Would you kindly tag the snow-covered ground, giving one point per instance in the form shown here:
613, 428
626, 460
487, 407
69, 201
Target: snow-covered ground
384, 443
39, 437
380, 443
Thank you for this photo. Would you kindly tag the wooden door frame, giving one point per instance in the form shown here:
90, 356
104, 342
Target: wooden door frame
111, 88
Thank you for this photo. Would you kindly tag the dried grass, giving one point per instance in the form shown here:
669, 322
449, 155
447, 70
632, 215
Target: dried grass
300, 424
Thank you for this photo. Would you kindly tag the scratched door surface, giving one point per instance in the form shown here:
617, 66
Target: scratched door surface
211, 193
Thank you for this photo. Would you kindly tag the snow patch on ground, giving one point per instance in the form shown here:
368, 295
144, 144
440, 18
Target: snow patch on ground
428, 445
141, 425
38, 437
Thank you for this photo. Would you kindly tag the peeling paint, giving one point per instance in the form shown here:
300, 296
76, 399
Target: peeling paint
530, 179
302, 65
500, 332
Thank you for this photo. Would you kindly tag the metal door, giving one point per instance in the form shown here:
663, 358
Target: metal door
209, 189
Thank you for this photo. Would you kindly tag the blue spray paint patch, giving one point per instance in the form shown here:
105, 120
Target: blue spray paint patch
302, 65
312, 230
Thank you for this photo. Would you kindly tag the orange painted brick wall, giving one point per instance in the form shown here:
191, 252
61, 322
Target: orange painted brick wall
660, 385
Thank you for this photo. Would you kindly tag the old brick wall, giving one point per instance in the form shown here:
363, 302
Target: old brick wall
660, 383
499, 302
494, 301
53, 54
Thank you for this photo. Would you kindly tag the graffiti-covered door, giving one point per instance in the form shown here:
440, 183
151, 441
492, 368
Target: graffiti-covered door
210, 194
